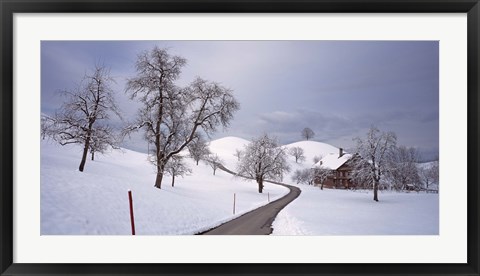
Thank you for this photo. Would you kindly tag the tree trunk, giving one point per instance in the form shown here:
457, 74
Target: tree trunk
260, 185
173, 180
160, 170
158, 180
84, 155
197, 161
93, 155
375, 190
214, 171
160, 162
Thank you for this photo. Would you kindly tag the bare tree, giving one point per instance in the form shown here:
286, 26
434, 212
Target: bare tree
374, 151
297, 176
305, 176
263, 159
102, 139
321, 175
238, 153
84, 110
307, 133
47, 127
198, 149
214, 162
173, 116
176, 167
403, 167
317, 158
298, 153
430, 175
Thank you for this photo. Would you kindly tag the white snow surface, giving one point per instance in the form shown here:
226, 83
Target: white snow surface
226, 147
332, 161
95, 202
312, 149
345, 212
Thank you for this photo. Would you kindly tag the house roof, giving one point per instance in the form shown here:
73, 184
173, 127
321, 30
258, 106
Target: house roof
332, 161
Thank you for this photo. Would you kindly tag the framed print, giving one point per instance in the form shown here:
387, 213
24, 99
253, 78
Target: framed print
261, 138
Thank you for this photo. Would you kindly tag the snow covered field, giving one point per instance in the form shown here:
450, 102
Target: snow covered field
342, 212
96, 201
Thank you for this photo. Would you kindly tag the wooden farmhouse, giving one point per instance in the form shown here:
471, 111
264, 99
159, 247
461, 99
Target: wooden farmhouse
339, 169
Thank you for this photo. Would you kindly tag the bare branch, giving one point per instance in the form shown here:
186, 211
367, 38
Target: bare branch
172, 117
81, 117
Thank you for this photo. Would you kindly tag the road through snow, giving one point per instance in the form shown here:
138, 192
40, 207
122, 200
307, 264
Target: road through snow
258, 221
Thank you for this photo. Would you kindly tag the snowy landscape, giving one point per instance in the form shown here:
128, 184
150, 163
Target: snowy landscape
279, 140
96, 203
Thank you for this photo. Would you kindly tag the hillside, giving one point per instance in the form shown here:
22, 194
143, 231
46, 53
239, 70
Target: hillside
313, 148
226, 147
96, 202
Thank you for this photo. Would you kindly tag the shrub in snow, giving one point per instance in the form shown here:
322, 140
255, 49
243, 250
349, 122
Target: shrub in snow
317, 159
305, 176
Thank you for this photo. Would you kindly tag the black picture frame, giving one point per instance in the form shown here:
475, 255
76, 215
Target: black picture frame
10, 7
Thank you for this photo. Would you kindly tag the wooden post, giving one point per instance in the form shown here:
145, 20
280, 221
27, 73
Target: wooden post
234, 203
132, 219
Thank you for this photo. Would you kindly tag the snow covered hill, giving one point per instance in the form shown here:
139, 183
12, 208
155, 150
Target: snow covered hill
96, 201
312, 149
226, 147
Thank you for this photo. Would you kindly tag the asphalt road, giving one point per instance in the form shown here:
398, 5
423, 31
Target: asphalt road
258, 221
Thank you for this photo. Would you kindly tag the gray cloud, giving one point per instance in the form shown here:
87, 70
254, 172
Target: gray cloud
338, 88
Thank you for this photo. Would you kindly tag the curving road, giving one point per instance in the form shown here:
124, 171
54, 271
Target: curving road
258, 221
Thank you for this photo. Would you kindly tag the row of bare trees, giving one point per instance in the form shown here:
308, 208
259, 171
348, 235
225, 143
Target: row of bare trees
378, 163
173, 118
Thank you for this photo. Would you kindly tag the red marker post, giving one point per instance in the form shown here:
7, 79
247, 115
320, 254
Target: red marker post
132, 219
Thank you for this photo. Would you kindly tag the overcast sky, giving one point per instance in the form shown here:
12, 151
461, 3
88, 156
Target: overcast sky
337, 88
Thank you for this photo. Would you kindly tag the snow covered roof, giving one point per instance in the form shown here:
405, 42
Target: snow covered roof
332, 161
